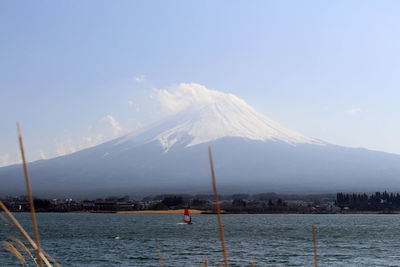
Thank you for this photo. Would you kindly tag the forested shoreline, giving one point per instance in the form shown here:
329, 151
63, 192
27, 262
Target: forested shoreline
378, 202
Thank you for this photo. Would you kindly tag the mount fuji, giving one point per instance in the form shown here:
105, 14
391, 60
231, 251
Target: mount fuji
251, 154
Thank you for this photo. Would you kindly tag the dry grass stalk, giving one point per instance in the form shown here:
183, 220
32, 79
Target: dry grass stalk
13, 250
204, 262
221, 230
4, 219
29, 191
159, 256
51, 259
23, 247
24, 233
315, 246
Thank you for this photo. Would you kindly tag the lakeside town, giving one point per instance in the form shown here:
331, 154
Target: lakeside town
236, 203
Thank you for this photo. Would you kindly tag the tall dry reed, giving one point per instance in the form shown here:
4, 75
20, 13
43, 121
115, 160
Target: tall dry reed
13, 250
42, 256
4, 219
315, 246
221, 229
24, 234
160, 257
22, 246
30, 198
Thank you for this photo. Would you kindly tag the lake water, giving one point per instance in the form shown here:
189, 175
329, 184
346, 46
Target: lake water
271, 240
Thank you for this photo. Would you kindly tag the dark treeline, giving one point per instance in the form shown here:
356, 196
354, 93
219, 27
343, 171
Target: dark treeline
362, 202
234, 203
255, 197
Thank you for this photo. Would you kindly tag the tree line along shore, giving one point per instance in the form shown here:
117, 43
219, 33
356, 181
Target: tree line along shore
379, 202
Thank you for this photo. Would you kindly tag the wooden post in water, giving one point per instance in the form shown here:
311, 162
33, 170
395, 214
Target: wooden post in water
315, 246
221, 230
28, 189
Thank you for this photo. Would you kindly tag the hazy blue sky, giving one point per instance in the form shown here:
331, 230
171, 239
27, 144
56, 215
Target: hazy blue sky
77, 73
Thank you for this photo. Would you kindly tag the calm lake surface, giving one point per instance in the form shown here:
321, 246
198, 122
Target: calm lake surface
271, 240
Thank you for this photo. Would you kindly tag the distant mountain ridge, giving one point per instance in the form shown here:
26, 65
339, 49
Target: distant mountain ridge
252, 154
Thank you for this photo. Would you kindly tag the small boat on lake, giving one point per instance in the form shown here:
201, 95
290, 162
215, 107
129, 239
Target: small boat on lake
187, 218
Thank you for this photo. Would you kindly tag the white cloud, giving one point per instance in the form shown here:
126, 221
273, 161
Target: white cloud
87, 141
117, 130
186, 96
65, 147
18, 157
133, 105
99, 137
71, 145
353, 110
42, 154
10, 158
140, 79
4, 160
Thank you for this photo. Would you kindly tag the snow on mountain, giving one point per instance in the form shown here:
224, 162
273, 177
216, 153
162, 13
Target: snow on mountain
199, 115
251, 154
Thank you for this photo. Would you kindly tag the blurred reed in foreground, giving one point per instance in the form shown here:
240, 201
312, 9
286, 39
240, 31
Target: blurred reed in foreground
315, 246
221, 229
41, 255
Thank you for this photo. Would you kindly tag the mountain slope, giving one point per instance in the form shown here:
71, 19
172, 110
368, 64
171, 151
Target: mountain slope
241, 166
251, 152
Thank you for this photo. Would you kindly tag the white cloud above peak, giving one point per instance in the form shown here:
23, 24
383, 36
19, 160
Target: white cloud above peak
187, 96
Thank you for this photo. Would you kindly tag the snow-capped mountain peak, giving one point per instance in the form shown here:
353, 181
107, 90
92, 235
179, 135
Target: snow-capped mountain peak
199, 115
